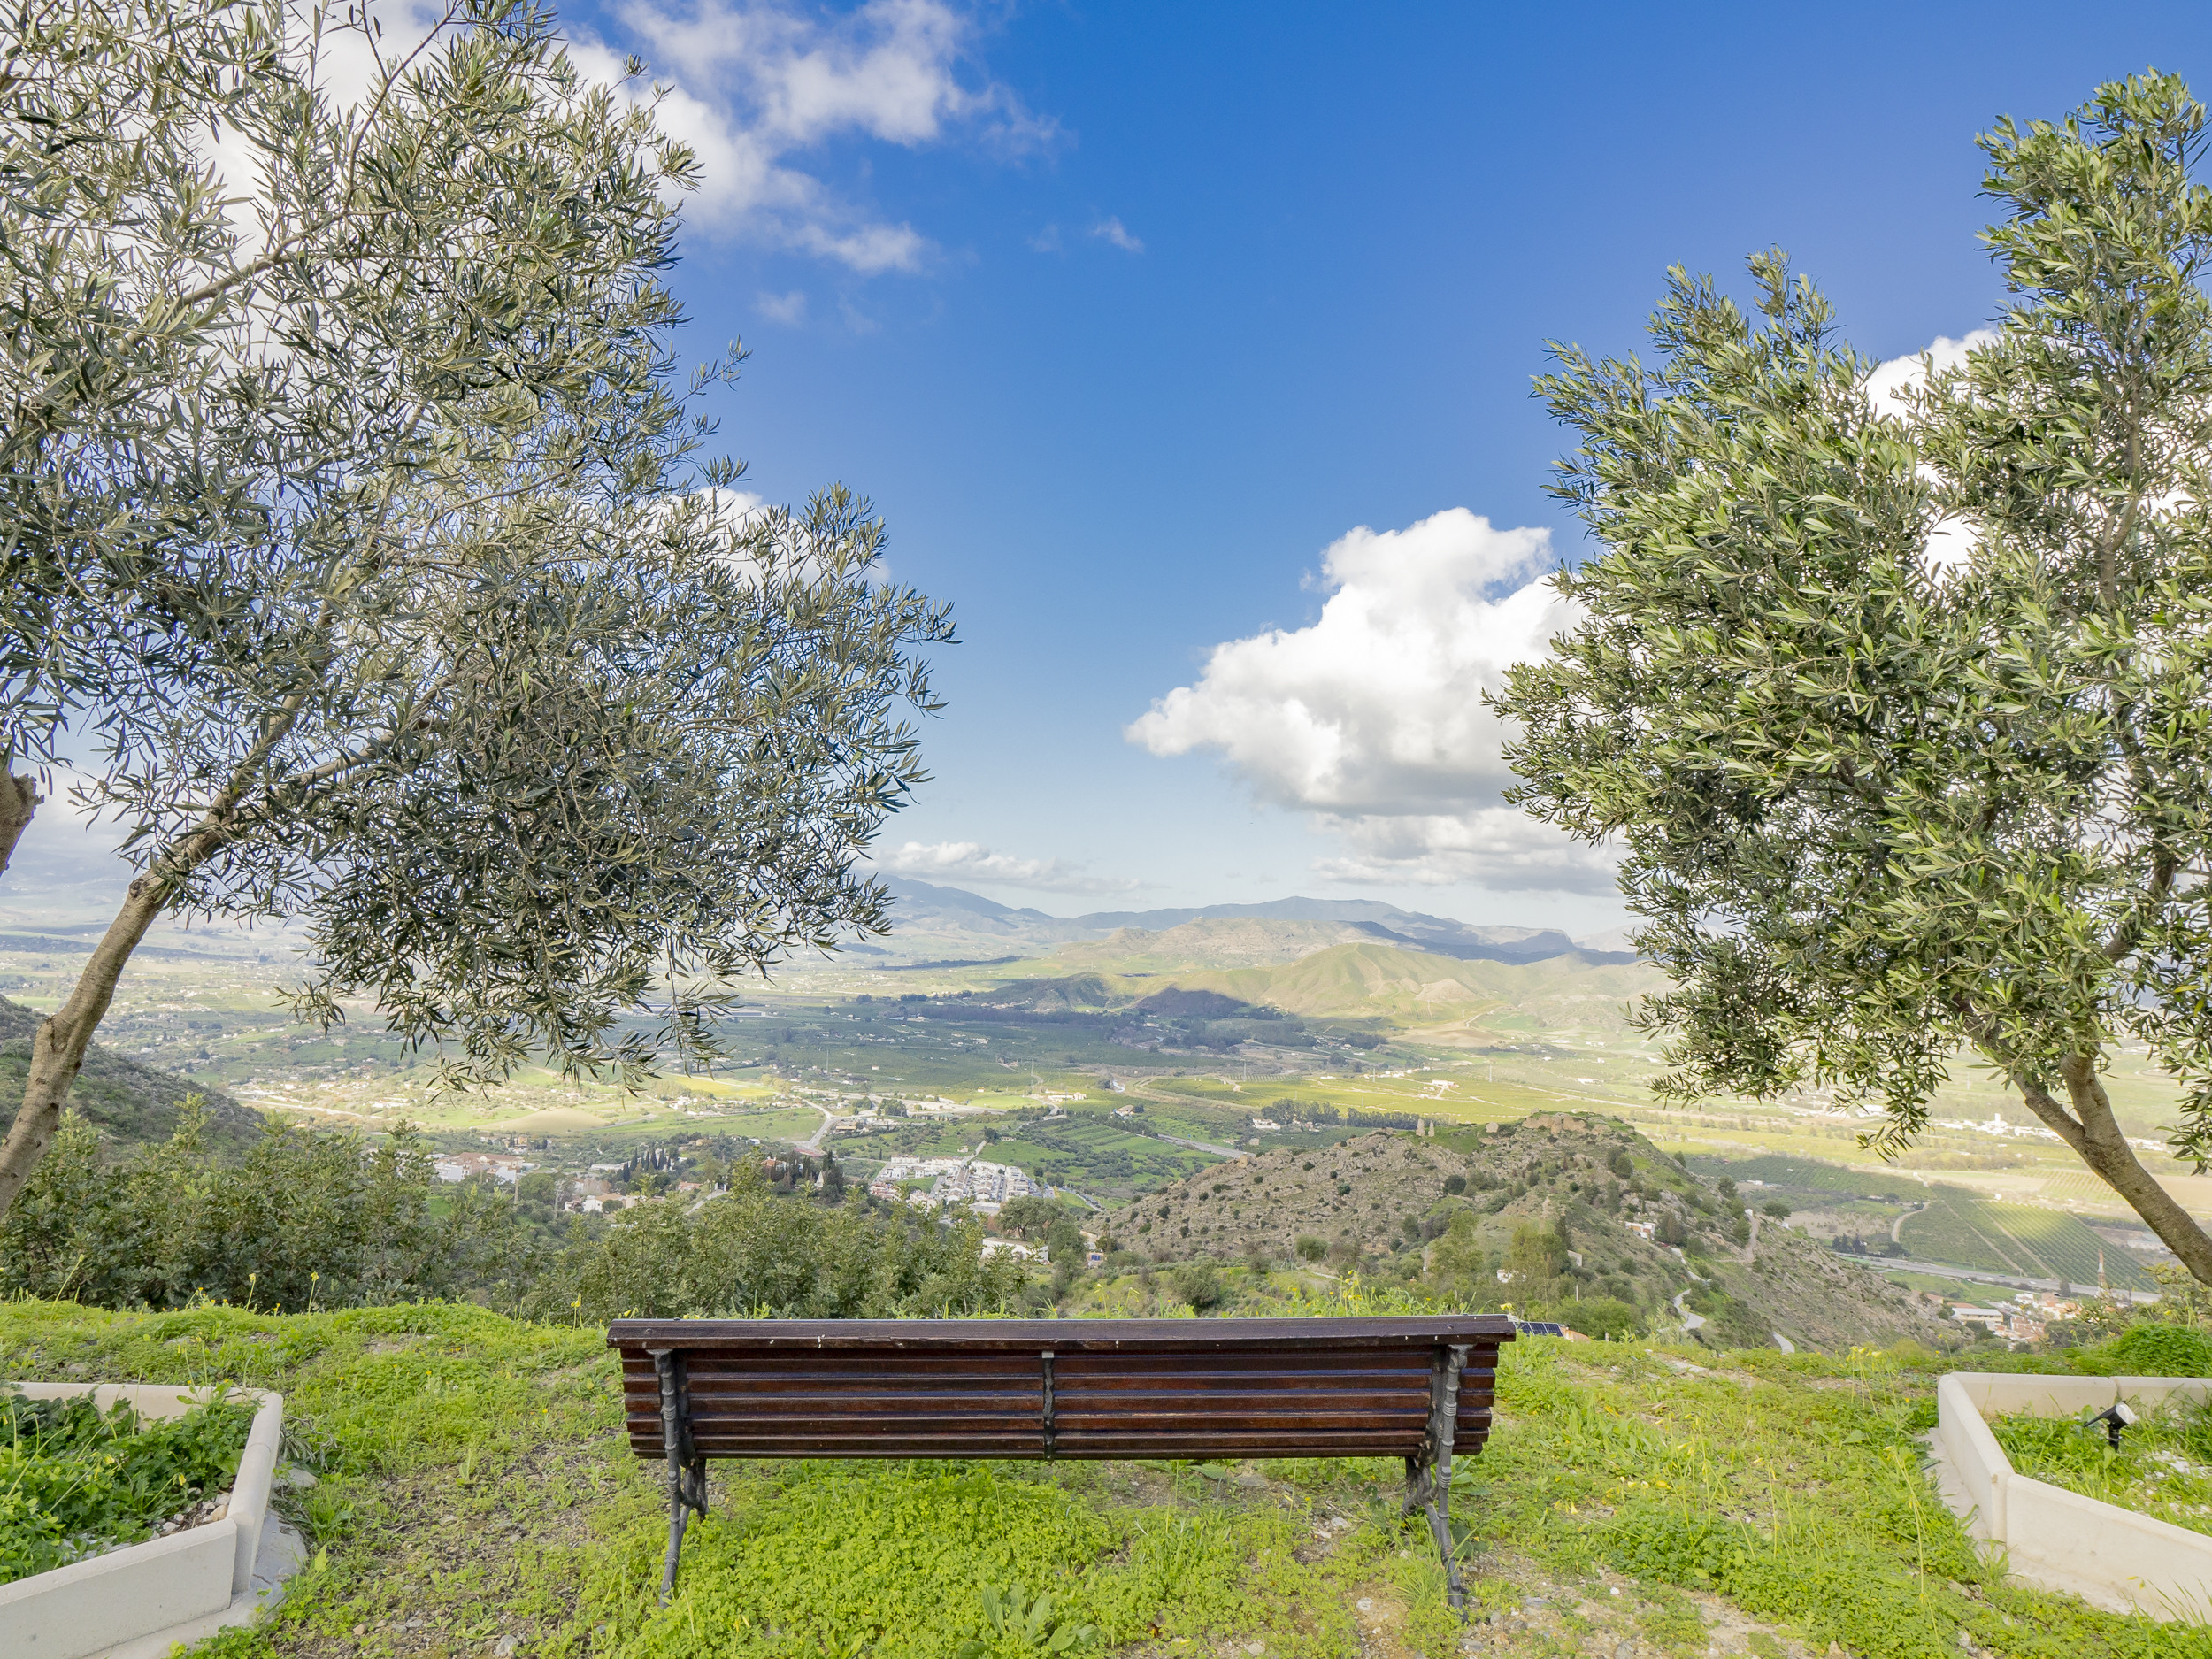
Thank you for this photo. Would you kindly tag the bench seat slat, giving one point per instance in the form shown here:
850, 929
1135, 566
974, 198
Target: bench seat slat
1258, 1419
852, 1393
817, 1361
1024, 1412
1121, 1389
702, 1337
1105, 1370
1308, 1443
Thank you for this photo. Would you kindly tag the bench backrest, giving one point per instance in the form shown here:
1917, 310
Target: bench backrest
1060, 1388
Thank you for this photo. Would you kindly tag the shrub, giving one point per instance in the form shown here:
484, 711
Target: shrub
1454, 1184
1603, 1317
1197, 1284
1311, 1247
751, 1253
321, 1219
2162, 1350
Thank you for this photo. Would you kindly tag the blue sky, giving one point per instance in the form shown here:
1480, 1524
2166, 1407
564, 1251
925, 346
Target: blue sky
1126, 316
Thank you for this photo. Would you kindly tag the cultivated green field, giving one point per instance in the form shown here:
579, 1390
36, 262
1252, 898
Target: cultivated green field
1963, 1227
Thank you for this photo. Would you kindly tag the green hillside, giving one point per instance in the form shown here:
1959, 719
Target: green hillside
475, 1495
1412, 986
1377, 1201
130, 1103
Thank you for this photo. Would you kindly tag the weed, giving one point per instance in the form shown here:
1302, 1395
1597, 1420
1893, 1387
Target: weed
75, 1480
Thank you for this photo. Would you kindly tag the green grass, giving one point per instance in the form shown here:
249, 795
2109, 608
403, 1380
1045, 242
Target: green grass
2163, 1466
475, 1485
75, 1481
1810, 1175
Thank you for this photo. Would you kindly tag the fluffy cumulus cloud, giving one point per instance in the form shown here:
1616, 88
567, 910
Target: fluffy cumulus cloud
1889, 389
1371, 719
758, 90
971, 861
754, 87
1887, 386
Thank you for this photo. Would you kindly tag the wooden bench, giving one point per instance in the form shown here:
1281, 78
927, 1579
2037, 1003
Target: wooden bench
1416, 1388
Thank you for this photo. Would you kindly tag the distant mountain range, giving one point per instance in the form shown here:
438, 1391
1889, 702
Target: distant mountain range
950, 925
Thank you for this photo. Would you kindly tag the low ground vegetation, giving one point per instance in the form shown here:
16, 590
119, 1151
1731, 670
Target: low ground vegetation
475, 1494
75, 1480
2162, 1467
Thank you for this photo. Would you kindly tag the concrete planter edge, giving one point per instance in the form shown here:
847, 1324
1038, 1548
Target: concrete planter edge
138, 1601
2112, 1558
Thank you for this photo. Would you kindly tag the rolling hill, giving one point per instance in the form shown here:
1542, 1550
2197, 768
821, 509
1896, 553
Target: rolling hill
1416, 987
1380, 1198
935, 924
131, 1104
1450, 1002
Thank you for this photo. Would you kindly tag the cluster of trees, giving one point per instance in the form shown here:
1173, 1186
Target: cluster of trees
324, 1219
1540, 1281
752, 1254
306, 1220
1351, 1117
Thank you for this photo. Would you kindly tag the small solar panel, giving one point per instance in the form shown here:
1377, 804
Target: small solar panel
1539, 1327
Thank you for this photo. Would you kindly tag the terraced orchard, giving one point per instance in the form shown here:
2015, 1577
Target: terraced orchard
1999, 1238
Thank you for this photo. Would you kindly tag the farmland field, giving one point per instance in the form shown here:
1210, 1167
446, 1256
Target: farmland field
1959, 1226
1810, 1175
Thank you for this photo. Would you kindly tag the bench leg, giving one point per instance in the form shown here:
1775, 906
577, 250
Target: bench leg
686, 1470
1441, 1528
1429, 1476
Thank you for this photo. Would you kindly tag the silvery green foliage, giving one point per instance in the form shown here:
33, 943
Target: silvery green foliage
1882, 793
360, 548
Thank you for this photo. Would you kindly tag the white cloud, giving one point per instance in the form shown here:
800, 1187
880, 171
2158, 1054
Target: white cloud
1950, 543
1372, 719
1500, 848
751, 85
1377, 706
1886, 387
971, 861
1046, 240
789, 309
1114, 231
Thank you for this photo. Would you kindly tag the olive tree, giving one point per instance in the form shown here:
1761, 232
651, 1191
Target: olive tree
116, 274
372, 570
1902, 718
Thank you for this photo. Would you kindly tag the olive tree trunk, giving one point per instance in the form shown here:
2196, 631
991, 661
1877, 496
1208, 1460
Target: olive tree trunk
19, 800
2096, 1138
57, 1052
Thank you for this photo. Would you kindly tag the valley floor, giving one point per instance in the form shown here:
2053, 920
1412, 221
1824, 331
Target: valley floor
475, 1497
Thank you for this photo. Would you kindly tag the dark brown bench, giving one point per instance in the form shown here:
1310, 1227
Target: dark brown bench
1416, 1388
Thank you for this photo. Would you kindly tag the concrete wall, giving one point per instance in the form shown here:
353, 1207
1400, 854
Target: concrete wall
90, 1607
2111, 1557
